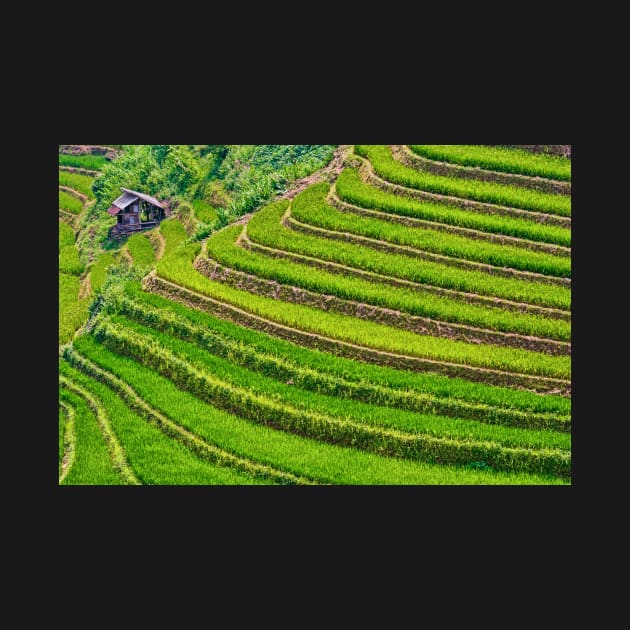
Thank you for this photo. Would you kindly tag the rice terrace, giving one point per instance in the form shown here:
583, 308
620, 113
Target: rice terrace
315, 314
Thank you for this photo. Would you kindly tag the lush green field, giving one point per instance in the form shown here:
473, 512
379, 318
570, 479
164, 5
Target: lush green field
345, 334
81, 183
91, 162
174, 234
66, 235
178, 269
353, 190
92, 464
287, 359
154, 458
98, 271
311, 208
221, 247
326, 463
72, 311
204, 211
388, 168
498, 159
141, 250
266, 228
69, 203
69, 261
414, 422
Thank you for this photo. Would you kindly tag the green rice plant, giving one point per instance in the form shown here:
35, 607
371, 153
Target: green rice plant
174, 234
317, 424
69, 203
351, 189
204, 212
73, 312
92, 162
92, 465
206, 451
178, 269
98, 271
283, 367
154, 457
310, 207
222, 248
339, 407
66, 235
76, 181
69, 261
497, 158
391, 170
376, 383
116, 452
266, 229
141, 250
326, 463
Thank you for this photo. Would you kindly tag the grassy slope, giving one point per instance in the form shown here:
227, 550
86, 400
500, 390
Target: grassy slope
327, 463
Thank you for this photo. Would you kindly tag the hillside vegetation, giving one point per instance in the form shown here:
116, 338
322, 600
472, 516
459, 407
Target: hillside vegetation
317, 314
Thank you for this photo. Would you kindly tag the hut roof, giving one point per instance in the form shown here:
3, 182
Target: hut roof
128, 197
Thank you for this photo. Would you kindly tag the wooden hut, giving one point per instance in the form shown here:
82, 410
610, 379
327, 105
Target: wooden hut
136, 211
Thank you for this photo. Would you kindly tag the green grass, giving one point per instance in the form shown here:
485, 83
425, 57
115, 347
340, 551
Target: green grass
265, 228
274, 411
501, 159
178, 269
141, 250
301, 456
92, 464
69, 261
72, 312
310, 207
174, 234
66, 235
351, 189
69, 203
82, 183
98, 271
92, 162
391, 170
408, 421
155, 458
204, 211
284, 367
222, 248
366, 375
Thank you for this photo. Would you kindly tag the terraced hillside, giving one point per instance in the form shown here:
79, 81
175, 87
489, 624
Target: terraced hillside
401, 317
75, 197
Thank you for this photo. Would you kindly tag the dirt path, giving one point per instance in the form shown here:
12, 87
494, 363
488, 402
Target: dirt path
79, 170
328, 172
85, 288
69, 441
158, 242
89, 149
126, 254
